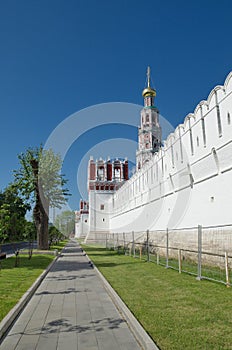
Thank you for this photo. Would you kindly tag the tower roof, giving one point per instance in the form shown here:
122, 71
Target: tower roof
149, 91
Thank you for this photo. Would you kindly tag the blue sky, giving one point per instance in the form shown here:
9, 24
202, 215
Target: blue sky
58, 57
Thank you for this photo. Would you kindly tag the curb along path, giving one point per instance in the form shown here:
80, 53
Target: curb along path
71, 309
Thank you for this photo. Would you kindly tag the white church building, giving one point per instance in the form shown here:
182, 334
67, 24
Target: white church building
179, 183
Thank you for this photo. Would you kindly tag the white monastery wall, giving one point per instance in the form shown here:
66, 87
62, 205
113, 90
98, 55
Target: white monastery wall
99, 211
189, 181
82, 226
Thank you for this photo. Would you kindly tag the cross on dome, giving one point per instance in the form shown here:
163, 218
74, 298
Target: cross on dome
149, 91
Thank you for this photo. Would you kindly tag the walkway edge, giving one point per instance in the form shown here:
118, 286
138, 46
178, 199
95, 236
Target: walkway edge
8, 320
140, 334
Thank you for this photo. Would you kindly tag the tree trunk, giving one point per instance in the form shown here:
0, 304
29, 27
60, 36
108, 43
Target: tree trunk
40, 211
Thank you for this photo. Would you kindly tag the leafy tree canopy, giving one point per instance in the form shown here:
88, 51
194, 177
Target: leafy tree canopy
41, 167
41, 183
12, 214
65, 221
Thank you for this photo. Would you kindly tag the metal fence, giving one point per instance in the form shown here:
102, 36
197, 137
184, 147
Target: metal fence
205, 252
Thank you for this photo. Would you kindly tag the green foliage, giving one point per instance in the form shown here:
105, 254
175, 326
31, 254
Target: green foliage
12, 214
29, 232
40, 183
66, 222
4, 222
177, 311
48, 175
54, 235
50, 178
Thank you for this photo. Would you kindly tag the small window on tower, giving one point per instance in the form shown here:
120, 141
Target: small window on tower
147, 118
117, 174
100, 174
102, 207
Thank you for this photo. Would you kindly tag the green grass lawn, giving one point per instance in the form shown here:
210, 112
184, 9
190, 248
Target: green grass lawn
59, 246
176, 310
15, 281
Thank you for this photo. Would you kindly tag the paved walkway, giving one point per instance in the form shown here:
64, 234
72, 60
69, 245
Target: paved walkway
70, 310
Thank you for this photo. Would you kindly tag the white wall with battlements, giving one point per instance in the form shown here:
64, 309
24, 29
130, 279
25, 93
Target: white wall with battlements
189, 181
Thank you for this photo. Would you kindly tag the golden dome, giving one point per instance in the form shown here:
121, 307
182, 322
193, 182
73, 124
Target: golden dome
148, 91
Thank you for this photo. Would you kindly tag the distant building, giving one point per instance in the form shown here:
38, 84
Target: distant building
149, 138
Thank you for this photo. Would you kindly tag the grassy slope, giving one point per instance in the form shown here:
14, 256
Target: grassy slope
176, 310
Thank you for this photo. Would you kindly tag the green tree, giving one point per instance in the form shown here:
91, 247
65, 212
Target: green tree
65, 221
10, 201
54, 235
4, 223
12, 221
41, 184
29, 234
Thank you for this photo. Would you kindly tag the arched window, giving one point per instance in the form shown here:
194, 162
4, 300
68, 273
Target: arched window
203, 131
191, 138
219, 121
228, 119
214, 152
218, 116
172, 154
100, 173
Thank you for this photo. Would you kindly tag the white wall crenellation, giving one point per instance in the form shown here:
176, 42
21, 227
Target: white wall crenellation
196, 159
187, 182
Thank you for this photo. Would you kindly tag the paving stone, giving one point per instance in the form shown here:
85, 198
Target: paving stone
28, 340
67, 341
130, 346
47, 341
86, 340
70, 310
10, 342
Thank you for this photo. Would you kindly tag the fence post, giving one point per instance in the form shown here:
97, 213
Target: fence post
106, 240
179, 259
133, 239
227, 270
148, 247
199, 252
167, 243
140, 252
124, 242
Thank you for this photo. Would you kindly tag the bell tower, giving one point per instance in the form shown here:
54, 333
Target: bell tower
149, 133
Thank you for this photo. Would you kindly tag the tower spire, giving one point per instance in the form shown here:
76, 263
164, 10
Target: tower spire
148, 76
149, 93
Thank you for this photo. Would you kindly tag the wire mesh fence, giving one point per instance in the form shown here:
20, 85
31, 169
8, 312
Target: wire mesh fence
205, 252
